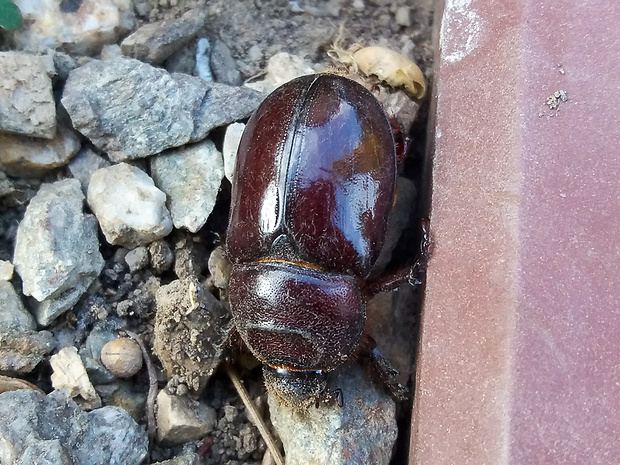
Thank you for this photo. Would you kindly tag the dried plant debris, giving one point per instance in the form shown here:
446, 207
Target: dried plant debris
555, 99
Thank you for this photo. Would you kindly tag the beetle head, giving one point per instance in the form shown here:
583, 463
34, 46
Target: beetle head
298, 389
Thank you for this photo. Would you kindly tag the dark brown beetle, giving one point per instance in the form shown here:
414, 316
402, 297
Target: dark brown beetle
313, 187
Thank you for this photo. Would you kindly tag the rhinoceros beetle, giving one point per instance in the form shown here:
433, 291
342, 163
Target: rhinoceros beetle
313, 186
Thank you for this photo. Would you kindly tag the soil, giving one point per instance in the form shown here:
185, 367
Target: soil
254, 30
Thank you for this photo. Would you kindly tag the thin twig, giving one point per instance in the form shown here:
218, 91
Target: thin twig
152, 396
255, 417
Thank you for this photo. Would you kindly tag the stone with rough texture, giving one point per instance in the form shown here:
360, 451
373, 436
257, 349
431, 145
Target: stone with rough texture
6, 270
191, 177
69, 374
154, 42
518, 359
26, 102
219, 268
137, 259
361, 432
281, 68
57, 249
22, 352
232, 139
130, 109
223, 65
27, 156
52, 429
14, 318
80, 28
130, 209
181, 419
84, 164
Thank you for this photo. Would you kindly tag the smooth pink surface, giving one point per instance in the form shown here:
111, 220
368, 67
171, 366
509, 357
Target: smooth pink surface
520, 349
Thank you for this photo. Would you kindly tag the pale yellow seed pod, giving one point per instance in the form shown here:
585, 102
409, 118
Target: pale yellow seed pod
122, 357
391, 67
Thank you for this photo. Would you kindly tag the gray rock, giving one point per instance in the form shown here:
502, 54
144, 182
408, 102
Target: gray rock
224, 66
130, 209
32, 157
232, 138
95, 342
191, 326
110, 52
22, 352
154, 42
90, 353
130, 109
7, 187
255, 53
191, 177
80, 28
57, 249
402, 16
161, 256
52, 429
84, 165
97, 373
125, 396
26, 102
137, 258
362, 431
64, 64
181, 419
14, 318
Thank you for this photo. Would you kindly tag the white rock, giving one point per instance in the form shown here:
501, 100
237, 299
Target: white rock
181, 419
6, 270
281, 68
26, 101
81, 32
130, 209
191, 177
70, 374
358, 5
232, 138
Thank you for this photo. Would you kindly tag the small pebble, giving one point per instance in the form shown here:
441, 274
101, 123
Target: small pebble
6, 270
402, 16
358, 5
255, 53
122, 357
137, 259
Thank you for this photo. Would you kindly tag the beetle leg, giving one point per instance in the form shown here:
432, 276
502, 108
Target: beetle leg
413, 275
381, 368
329, 397
388, 374
401, 140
